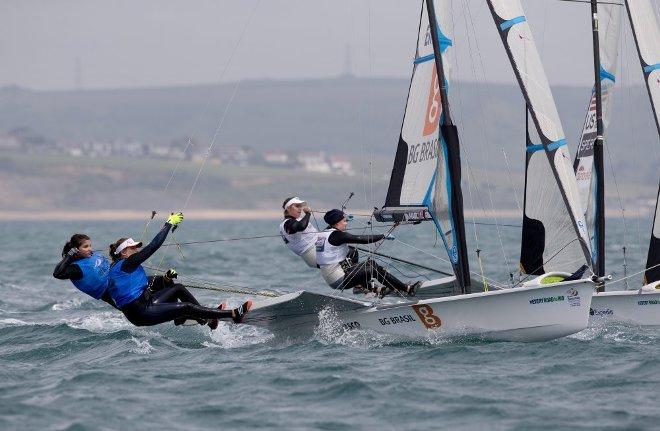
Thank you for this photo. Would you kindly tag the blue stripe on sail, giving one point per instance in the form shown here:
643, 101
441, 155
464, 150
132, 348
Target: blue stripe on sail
424, 59
651, 67
429, 189
445, 43
552, 146
513, 21
604, 74
428, 202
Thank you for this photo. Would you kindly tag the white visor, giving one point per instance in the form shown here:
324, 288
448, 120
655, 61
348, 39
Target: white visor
130, 242
292, 201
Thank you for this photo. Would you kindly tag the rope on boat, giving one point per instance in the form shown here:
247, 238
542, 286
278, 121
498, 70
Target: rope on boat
196, 283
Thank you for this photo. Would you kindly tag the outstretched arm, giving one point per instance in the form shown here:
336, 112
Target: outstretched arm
339, 238
133, 261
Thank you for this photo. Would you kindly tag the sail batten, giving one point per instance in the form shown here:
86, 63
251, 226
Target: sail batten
554, 231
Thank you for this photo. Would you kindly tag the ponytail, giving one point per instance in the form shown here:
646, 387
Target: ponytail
113, 248
75, 242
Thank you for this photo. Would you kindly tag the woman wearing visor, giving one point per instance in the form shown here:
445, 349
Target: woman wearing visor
297, 232
129, 287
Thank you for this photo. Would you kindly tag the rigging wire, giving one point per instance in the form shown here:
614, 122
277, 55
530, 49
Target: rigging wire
478, 79
198, 283
217, 130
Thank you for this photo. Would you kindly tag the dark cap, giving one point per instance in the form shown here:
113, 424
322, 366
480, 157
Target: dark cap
333, 216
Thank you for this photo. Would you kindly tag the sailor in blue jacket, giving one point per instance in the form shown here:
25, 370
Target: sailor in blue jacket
130, 290
87, 269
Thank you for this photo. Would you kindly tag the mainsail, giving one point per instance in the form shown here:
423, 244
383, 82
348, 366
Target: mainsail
422, 185
608, 30
647, 38
554, 231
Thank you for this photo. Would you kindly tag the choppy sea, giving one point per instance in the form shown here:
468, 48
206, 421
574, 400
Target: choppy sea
68, 362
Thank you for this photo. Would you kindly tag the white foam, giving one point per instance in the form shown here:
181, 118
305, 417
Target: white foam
14, 322
103, 322
68, 304
331, 331
142, 347
231, 336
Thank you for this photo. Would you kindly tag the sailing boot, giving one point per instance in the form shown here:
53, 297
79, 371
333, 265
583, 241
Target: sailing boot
240, 312
411, 289
213, 323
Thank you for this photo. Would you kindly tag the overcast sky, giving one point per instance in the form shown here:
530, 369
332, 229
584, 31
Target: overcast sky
137, 43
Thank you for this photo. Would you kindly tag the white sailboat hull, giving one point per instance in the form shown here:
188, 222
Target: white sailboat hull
536, 313
636, 307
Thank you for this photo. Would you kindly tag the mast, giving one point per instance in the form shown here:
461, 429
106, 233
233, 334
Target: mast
450, 135
599, 219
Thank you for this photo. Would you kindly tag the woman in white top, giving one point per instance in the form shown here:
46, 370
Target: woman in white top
296, 230
339, 263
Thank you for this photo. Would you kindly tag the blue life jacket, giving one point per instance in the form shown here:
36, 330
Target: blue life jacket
94, 281
126, 287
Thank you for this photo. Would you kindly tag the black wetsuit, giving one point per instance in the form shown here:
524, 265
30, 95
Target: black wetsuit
359, 273
68, 270
161, 303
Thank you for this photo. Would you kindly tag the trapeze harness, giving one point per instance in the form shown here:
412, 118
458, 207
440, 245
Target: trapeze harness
301, 242
340, 269
89, 275
331, 259
94, 281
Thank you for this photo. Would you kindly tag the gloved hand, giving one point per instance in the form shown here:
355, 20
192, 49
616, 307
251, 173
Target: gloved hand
170, 275
349, 217
175, 218
72, 252
390, 237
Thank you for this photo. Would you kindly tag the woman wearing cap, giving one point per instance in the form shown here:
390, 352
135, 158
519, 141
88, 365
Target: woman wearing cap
341, 271
86, 269
296, 230
129, 287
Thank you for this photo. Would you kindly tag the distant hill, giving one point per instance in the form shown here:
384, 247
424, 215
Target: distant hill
354, 116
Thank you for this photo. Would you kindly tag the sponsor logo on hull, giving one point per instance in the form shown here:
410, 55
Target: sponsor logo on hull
649, 302
547, 299
427, 316
573, 297
601, 312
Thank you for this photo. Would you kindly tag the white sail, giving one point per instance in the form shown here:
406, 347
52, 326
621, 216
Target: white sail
609, 31
420, 162
647, 38
644, 25
552, 201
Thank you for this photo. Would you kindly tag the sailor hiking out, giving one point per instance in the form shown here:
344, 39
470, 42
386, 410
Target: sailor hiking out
297, 231
144, 305
87, 269
339, 263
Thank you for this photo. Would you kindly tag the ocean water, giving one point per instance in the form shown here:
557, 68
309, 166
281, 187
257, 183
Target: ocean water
71, 363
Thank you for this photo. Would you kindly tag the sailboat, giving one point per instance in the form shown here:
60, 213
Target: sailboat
640, 306
426, 185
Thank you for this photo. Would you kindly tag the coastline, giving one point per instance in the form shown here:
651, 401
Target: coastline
192, 214
226, 214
